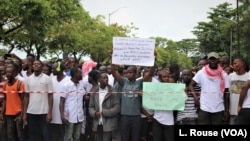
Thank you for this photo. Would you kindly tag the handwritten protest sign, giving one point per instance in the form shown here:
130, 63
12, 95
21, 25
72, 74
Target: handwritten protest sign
163, 96
133, 51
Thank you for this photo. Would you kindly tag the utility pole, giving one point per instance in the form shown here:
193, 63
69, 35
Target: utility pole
110, 14
238, 28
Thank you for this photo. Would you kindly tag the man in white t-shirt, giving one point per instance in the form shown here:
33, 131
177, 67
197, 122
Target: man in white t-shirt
237, 80
244, 104
71, 106
59, 80
38, 102
163, 124
214, 95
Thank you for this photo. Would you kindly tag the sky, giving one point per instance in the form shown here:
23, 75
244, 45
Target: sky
171, 19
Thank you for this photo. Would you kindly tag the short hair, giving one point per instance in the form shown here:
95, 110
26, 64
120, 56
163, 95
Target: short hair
245, 62
134, 69
38, 61
94, 74
14, 66
31, 55
74, 71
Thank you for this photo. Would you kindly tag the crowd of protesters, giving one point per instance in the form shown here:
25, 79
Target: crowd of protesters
68, 101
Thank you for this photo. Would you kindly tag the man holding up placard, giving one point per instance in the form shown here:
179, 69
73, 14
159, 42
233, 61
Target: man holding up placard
131, 102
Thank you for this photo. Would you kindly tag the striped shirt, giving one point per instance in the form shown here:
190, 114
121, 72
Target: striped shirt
190, 111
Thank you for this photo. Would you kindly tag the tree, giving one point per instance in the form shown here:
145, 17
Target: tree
213, 35
10, 21
244, 31
167, 54
37, 18
2, 52
188, 46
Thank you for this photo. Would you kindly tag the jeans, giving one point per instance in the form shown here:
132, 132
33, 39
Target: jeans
57, 131
3, 128
233, 120
130, 128
187, 122
14, 129
38, 128
244, 116
207, 118
73, 130
146, 129
162, 132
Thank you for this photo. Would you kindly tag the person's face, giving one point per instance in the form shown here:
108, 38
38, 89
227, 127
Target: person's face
37, 66
145, 74
109, 69
164, 76
224, 61
2, 70
79, 74
201, 64
10, 72
186, 76
227, 70
25, 64
138, 70
30, 58
72, 62
46, 70
237, 65
7, 62
213, 63
124, 73
103, 79
131, 74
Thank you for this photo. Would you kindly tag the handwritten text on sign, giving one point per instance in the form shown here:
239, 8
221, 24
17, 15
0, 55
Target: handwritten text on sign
163, 96
133, 51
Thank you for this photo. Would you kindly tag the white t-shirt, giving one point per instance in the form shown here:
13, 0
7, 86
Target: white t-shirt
58, 90
86, 85
246, 102
19, 77
111, 80
236, 84
73, 107
24, 73
164, 117
102, 94
211, 97
38, 88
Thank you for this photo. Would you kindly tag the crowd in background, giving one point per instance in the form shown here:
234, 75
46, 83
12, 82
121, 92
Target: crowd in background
69, 101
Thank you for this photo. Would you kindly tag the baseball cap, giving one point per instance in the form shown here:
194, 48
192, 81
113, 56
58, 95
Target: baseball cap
213, 54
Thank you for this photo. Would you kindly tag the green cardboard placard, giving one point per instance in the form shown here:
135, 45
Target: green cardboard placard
163, 96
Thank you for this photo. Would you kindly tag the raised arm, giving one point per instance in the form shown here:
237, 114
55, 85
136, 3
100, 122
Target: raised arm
149, 75
115, 74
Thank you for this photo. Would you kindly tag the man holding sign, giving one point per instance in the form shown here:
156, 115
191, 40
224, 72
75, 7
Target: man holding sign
131, 101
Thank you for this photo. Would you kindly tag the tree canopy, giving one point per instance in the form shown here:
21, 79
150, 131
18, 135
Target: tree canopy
53, 27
